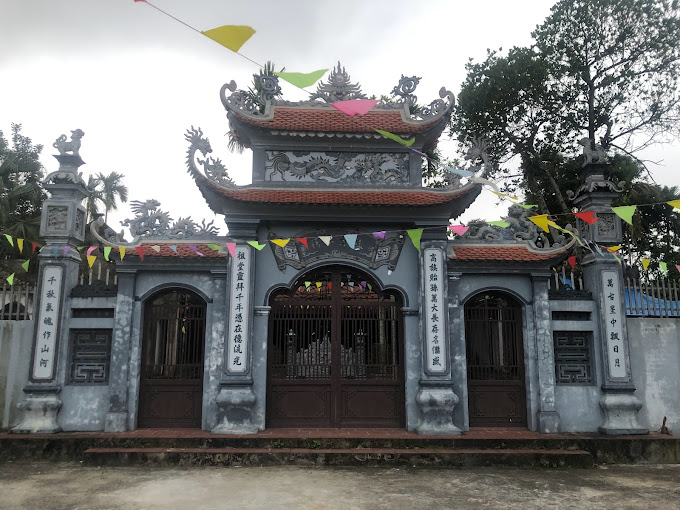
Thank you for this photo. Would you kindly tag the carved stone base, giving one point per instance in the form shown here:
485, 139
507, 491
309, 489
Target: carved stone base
39, 414
235, 404
436, 404
116, 421
620, 410
548, 422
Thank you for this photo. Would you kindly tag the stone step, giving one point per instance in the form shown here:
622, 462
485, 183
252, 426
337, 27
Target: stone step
423, 457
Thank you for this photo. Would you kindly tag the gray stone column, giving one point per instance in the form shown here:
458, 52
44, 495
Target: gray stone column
117, 417
435, 397
603, 276
548, 417
62, 226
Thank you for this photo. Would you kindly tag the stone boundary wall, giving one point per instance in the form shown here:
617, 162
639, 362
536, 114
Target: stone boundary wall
655, 362
16, 338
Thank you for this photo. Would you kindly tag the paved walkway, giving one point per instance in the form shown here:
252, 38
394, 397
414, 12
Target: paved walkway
57, 486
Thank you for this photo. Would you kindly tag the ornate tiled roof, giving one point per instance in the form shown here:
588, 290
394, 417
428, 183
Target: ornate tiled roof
183, 250
500, 252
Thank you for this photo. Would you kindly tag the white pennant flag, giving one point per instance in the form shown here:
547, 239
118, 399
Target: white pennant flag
326, 239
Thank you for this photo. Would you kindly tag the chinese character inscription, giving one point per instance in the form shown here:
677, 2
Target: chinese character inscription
433, 311
48, 323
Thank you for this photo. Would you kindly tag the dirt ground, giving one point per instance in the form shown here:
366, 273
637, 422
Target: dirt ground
55, 486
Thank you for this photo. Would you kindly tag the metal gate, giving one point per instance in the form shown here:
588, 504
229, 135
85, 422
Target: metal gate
335, 354
171, 386
495, 361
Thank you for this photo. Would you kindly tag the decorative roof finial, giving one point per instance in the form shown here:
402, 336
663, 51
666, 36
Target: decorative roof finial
338, 87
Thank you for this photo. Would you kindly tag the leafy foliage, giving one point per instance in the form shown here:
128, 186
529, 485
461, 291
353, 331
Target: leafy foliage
105, 190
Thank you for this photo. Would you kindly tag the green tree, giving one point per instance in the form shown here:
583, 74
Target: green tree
107, 190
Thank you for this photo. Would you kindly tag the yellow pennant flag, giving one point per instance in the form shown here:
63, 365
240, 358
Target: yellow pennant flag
20, 244
91, 259
122, 252
613, 248
280, 242
541, 220
674, 203
231, 37
645, 263
318, 285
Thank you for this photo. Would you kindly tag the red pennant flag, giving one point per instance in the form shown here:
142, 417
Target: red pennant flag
302, 240
140, 252
329, 285
34, 245
587, 216
572, 261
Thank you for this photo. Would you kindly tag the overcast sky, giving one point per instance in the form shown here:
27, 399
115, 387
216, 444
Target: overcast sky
134, 80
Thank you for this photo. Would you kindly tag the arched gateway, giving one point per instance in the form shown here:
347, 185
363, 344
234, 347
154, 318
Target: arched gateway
335, 353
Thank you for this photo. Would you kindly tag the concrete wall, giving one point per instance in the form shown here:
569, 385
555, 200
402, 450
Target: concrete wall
655, 362
16, 338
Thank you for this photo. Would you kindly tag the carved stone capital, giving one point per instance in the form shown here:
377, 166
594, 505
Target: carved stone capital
620, 410
437, 404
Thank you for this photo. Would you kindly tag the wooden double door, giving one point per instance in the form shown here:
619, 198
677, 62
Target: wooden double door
335, 353
171, 381
495, 361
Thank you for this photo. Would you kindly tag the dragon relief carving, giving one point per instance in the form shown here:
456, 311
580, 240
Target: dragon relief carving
213, 168
150, 221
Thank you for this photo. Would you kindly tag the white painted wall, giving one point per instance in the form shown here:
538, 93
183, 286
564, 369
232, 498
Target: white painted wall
16, 338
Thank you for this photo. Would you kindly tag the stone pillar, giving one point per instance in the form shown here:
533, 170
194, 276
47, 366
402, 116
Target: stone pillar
603, 276
435, 397
548, 417
236, 399
62, 225
117, 417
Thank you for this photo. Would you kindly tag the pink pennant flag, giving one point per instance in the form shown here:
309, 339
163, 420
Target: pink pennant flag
380, 234
232, 249
355, 106
458, 229
91, 249
677, 267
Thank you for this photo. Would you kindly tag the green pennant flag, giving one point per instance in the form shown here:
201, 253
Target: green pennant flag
396, 138
525, 206
9, 239
302, 80
257, 245
664, 267
500, 223
214, 246
415, 234
25, 265
107, 252
625, 212
80, 248
10, 279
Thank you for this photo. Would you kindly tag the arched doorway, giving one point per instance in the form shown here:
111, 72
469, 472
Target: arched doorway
171, 381
495, 360
335, 353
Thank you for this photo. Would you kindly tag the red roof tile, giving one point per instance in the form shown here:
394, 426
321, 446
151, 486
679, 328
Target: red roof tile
331, 120
183, 250
500, 253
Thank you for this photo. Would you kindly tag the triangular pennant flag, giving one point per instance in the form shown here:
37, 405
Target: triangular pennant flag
329, 285
587, 216
10, 279
355, 106
318, 285
625, 212
541, 220
415, 234
617, 259
613, 248
396, 138
664, 267
370, 287
25, 265
280, 242
157, 248
140, 252
326, 240
504, 195
91, 259
66, 248
307, 284
645, 263
303, 241
34, 245
256, 245
122, 252
214, 246
302, 80
351, 240
458, 229
107, 252
480, 180
674, 203
20, 244
54, 251
91, 249
231, 247
677, 266
380, 234
9, 239
572, 261
462, 173
525, 206
194, 248
79, 248
184, 329
230, 36
173, 247
499, 223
